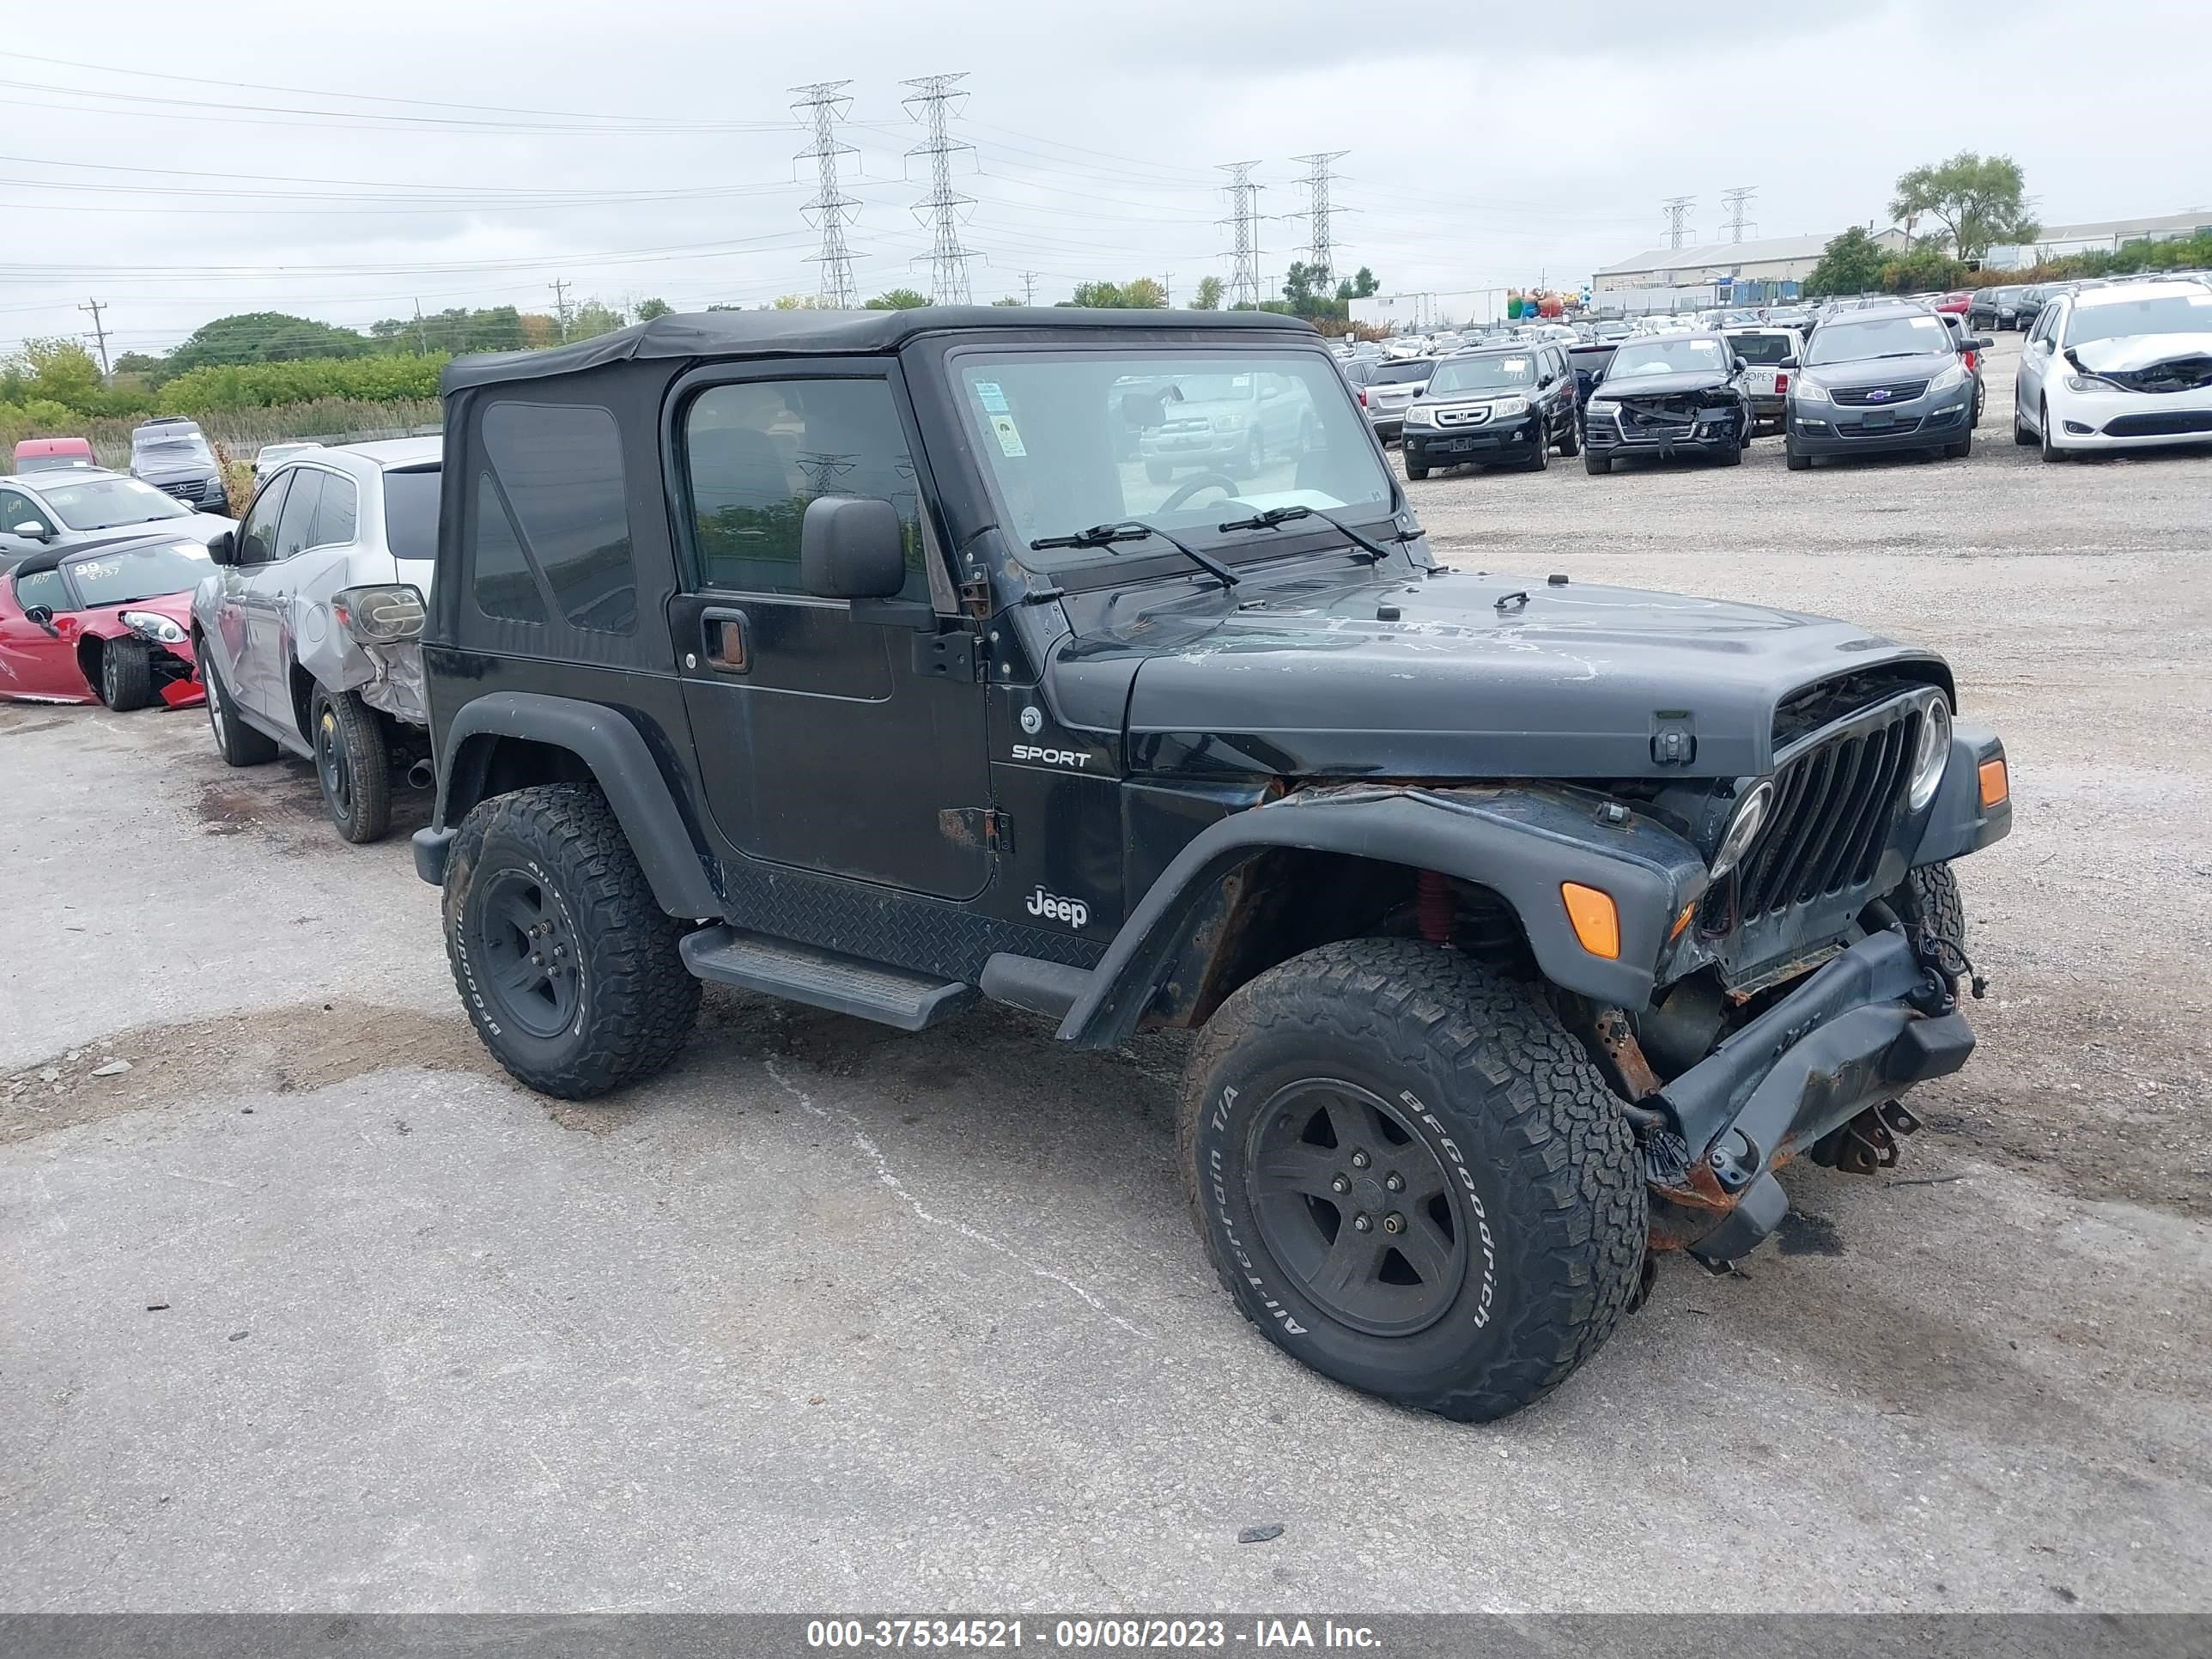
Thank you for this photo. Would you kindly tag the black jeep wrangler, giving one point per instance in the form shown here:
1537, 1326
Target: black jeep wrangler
857, 658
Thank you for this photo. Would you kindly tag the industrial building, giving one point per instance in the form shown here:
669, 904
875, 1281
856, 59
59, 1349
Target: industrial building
1770, 260
2056, 241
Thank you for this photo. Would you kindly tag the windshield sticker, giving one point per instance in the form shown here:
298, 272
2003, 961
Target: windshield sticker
1009, 440
993, 399
1516, 365
90, 572
1925, 322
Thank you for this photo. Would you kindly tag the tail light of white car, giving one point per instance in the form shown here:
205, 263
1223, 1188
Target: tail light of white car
379, 616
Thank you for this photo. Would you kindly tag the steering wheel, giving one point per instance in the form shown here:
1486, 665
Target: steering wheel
1226, 485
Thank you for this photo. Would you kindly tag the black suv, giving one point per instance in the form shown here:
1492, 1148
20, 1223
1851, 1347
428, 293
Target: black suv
1500, 406
1525, 926
1666, 395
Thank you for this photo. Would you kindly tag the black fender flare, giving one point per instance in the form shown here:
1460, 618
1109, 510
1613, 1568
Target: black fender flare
622, 763
1957, 823
1523, 841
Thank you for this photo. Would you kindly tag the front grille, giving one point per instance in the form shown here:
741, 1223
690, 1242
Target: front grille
189, 490
1833, 803
2162, 425
1474, 417
1858, 430
1898, 391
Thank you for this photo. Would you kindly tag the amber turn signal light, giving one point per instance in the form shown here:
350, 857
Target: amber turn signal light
1996, 784
1597, 921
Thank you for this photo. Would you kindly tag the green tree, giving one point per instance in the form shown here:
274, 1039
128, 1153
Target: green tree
1099, 295
1976, 199
1143, 294
263, 336
1360, 286
594, 318
648, 309
62, 370
897, 299
1850, 264
137, 362
789, 302
1009, 300
1209, 297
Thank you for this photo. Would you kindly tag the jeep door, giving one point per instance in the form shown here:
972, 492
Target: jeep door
826, 740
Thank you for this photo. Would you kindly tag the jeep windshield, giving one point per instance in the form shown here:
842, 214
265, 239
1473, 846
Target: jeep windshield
104, 503
1182, 439
1491, 374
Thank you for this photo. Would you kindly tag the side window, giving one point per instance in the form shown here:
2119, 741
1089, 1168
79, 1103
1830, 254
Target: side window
336, 519
559, 467
505, 586
42, 587
17, 508
296, 523
257, 537
757, 452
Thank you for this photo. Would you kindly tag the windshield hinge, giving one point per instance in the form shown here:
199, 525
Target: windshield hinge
975, 597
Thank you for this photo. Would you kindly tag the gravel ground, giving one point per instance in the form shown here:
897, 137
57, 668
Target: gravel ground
311, 1308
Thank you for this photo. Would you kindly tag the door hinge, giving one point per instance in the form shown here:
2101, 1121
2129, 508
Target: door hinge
977, 826
956, 656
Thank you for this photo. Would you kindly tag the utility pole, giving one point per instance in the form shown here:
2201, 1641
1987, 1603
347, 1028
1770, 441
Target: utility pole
1321, 254
561, 304
1029, 288
1734, 200
421, 337
1677, 209
1244, 270
831, 209
99, 332
1167, 288
948, 257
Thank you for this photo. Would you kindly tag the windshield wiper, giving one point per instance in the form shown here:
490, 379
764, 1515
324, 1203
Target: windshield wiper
1136, 530
1276, 517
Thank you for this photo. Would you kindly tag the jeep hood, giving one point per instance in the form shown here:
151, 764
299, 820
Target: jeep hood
1301, 677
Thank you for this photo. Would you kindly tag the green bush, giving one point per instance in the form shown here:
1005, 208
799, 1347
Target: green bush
379, 379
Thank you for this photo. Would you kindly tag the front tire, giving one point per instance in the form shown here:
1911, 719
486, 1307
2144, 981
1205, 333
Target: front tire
1542, 458
126, 674
239, 744
2051, 452
1416, 470
1511, 1243
1796, 461
1595, 464
352, 765
1960, 450
568, 966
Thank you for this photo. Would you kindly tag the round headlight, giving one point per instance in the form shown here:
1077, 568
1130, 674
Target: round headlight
1935, 751
1743, 829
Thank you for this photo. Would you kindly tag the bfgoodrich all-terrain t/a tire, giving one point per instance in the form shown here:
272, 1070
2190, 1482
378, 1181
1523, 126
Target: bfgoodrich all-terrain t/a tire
1410, 1177
568, 966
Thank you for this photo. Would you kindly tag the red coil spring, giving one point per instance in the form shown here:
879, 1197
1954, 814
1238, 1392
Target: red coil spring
1436, 907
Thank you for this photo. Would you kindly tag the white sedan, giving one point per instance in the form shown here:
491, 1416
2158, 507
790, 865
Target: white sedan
2126, 366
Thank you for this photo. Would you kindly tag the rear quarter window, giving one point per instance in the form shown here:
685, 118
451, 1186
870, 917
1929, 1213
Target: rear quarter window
551, 506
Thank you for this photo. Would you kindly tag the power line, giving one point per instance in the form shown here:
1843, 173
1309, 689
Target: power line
99, 332
1733, 201
1677, 209
1320, 252
1244, 270
948, 257
831, 208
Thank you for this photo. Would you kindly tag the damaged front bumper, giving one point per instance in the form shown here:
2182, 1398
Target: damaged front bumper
1856, 1032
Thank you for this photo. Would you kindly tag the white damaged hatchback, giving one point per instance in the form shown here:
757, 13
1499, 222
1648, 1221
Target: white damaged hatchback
309, 632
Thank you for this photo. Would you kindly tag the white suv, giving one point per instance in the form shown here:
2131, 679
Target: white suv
2123, 367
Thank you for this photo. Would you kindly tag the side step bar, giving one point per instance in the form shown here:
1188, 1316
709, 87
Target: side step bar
822, 979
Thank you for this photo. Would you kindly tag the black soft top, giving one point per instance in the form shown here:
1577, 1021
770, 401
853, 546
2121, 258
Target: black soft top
759, 333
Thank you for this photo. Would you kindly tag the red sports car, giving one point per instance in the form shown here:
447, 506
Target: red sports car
110, 623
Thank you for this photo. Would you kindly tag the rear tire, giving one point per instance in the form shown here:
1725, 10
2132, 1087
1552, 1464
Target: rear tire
352, 765
1571, 445
1596, 465
126, 674
2021, 434
239, 744
1511, 1244
545, 872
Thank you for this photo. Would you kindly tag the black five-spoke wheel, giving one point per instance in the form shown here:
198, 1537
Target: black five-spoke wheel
1352, 1203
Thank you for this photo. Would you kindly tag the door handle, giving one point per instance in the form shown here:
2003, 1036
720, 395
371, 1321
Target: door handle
727, 636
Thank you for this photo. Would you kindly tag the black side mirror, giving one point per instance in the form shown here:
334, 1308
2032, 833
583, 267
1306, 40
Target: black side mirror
1787, 362
852, 547
40, 616
1984, 343
223, 550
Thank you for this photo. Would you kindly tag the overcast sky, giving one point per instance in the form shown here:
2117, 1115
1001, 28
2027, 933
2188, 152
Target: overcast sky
647, 148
